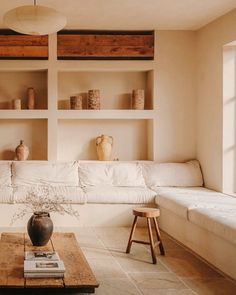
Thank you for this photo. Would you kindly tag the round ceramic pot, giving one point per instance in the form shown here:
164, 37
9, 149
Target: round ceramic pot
40, 228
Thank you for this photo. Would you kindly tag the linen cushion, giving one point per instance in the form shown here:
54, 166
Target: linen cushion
45, 173
127, 174
94, 174
111, 174
70, 194
181, 200
173, 174
119, 195
6, 194
5, 173
221, 221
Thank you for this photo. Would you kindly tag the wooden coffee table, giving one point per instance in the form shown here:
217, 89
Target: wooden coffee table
78, 278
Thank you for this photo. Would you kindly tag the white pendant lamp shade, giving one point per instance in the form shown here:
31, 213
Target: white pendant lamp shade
34, 20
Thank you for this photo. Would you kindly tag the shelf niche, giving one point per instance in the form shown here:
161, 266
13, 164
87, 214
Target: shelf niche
14, 85
115, 87
76, 139
32, 131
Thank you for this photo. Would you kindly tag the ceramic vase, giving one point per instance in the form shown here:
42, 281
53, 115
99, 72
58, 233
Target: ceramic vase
138, 99
104, 145
22, 151
40, 228
31, 98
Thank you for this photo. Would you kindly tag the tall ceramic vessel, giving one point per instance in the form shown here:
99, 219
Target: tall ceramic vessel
31, 98
22, 151
104, 145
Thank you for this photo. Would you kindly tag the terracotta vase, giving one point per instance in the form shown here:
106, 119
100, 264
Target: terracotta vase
104, 145
40, 228
22, 151
31, 98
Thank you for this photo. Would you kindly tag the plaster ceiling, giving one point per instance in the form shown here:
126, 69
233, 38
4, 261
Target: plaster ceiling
132, 14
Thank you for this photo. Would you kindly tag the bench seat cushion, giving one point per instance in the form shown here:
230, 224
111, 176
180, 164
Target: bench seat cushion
66, 194
181, 200
120, 195
221, 221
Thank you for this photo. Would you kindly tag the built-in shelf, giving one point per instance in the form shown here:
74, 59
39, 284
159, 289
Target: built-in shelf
76, 138
32, 131
24, 114
14, 85
54, 132
115, 87
106, 114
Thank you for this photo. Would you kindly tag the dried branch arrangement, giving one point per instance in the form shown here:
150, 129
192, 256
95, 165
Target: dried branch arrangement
44, 199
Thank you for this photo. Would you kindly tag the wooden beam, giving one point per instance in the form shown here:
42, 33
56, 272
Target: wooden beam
22, 46
105, 45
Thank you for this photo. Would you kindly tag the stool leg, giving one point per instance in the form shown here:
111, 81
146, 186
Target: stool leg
162, 251
154, 260
131, 235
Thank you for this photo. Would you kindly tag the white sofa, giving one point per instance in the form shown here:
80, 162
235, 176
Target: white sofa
105, 192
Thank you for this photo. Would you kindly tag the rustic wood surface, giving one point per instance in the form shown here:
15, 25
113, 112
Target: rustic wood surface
104, 46
78, 273
23, 46
12, 260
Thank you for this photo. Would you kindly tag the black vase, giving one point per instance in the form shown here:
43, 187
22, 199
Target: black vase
40, 228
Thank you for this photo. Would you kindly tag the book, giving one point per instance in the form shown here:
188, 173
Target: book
41, 255
43, 275
44, 266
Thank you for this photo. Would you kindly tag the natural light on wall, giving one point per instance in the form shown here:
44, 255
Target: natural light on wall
229, 118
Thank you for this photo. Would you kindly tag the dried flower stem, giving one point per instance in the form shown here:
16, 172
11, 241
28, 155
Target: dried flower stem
44, 198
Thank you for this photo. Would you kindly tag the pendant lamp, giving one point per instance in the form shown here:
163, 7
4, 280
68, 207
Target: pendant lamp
34, 20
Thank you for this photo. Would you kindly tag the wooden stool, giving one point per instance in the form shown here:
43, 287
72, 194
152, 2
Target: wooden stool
150, 214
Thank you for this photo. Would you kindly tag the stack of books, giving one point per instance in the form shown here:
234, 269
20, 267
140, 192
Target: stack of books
43, 264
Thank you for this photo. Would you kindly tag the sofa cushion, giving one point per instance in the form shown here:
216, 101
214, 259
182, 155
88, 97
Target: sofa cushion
45, 173
120, 195
5, 173
67, 194
181, 200
221, 221
111, 174
127, 174
6, 194
173, 174
94, 174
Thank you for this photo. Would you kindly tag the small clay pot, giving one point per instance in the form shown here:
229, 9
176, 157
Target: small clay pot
22, 151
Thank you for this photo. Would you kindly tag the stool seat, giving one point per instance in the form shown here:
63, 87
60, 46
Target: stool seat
146, 212
150, 214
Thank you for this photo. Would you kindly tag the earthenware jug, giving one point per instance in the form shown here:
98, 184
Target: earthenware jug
22, 151
40, 228
104, 145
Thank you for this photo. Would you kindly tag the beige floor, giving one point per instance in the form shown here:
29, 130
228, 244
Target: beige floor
178, 272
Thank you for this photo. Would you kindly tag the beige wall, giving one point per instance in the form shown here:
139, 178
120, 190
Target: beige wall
210, 41
176, 96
